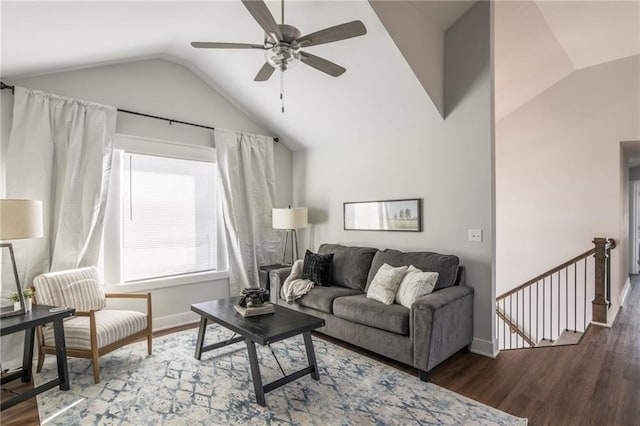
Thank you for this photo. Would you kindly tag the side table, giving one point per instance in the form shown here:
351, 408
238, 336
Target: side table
264, 274
265, 270
39, 315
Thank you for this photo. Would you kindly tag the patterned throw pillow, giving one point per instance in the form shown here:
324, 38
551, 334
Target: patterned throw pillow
385, 284
317, 268
414, 285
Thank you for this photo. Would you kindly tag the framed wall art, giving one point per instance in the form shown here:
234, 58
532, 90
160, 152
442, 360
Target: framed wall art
388, 215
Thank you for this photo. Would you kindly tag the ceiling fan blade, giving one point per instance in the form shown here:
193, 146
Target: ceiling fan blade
264, 73
323, 65
328, 35
260, 12
215, 45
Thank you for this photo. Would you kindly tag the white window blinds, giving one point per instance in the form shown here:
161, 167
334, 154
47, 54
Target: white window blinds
169, 217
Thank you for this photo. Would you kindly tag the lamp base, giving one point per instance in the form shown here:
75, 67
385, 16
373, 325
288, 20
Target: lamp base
12, 311
293, 235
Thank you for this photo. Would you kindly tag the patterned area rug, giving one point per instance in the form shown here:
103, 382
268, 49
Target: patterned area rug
171, 387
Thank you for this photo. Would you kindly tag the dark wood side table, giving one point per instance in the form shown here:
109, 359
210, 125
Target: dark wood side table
264, 274
263, 330
39, 315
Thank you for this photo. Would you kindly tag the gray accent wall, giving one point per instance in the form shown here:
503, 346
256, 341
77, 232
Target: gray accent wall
446, 162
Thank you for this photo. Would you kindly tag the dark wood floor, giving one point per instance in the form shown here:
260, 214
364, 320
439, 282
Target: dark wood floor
594, 383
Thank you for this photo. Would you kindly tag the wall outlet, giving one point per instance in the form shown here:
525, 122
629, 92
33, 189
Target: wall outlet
475, 235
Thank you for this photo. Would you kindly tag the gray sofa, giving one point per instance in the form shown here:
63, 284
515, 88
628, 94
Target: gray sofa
437, 325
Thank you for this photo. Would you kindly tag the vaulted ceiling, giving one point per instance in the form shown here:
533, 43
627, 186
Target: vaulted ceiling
45, 37
536, 45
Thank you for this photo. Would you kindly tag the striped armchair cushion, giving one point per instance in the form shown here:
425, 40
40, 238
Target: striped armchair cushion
111, 326
78, 288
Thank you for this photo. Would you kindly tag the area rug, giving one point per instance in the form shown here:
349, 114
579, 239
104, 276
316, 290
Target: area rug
171, 387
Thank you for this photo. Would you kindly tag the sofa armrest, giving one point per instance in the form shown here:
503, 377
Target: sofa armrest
276, 279
441, 324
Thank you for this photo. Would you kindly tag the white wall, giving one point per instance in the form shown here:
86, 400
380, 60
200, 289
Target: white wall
166, 89
445, 162
560, 177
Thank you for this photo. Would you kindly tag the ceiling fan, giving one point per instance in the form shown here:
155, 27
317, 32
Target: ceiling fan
283, 43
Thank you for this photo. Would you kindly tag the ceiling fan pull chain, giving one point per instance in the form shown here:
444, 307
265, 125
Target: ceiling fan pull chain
282, 90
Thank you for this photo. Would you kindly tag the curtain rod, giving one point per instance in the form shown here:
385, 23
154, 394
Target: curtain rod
4, 86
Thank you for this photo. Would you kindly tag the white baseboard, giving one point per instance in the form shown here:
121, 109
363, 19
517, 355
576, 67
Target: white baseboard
625, 291
169, 321
484, 347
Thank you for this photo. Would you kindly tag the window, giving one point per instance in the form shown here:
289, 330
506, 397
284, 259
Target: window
168, 217
161, 221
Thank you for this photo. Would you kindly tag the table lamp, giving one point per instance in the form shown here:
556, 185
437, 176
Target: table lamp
290, 219
19, 219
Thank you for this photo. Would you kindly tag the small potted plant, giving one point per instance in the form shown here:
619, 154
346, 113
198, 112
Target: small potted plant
27, 294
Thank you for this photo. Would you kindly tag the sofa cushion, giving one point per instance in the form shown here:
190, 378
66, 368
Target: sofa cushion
414, 285
321, 298
317, 268
445, 265
350, 264
385, 284
359, 309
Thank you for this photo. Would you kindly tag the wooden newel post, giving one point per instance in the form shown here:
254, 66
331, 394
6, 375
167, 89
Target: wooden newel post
599, 304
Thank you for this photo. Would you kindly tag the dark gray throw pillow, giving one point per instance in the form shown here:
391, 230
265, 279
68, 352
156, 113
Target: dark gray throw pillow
317, 268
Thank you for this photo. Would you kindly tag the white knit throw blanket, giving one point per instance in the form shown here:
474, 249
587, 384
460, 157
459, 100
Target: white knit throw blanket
294, 286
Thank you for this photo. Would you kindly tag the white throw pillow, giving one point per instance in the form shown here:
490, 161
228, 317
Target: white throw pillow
414, 285
385, 284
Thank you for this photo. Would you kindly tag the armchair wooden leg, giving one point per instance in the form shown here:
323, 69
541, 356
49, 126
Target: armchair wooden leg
41, 356
149, 342
149, 325
96, 368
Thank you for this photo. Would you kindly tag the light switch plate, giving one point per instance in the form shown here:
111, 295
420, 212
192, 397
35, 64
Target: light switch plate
475, 235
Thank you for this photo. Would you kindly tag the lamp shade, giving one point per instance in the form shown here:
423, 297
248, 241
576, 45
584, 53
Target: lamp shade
20, 219
294, 218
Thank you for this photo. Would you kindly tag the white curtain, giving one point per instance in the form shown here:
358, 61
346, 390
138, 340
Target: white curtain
59, 152
247, 193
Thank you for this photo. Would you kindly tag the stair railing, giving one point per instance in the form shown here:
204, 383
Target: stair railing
537, 312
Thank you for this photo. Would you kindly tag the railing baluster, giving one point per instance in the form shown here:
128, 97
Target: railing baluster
504, 310
537, 310
566, 298
584, 324
524, 328
530, 327
517, 319
544, 307
608, 276
504, 324
559, 304
511, 316
551, 309
575, 297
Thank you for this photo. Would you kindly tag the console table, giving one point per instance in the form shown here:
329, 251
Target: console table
39, 315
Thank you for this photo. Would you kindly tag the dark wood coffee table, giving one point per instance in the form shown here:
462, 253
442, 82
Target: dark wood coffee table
261, 329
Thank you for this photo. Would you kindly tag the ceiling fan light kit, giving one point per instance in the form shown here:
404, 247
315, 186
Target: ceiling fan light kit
283, 44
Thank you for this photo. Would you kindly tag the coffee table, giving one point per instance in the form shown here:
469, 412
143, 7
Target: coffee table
261, 329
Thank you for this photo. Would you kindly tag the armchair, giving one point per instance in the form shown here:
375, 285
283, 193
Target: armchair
94, 331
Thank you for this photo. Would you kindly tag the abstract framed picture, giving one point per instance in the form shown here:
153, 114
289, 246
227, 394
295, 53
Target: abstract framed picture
388, 215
